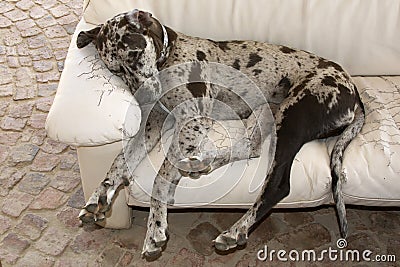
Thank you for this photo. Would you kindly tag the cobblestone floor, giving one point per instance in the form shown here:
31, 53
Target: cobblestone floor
40, 191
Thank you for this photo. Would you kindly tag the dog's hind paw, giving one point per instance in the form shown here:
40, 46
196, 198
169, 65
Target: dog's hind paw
151, 252
226, 241
152, 246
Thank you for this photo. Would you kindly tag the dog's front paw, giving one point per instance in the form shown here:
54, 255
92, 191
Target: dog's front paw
98, 204
194, 167
228, 240
87, 217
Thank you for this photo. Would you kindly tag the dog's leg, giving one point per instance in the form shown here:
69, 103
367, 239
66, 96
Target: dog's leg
119, 174
100, 201
246, 145
156, 235
167, 179
275, 188
297, 123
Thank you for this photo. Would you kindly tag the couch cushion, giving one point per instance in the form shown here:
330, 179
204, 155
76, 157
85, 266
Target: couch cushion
91, 104
371, 164
362, 35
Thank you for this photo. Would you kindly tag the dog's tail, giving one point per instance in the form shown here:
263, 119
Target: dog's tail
338, 177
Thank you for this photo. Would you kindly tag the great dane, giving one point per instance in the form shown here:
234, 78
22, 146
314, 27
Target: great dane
310, 98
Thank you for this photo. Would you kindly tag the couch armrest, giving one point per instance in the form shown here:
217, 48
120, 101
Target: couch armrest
91, 104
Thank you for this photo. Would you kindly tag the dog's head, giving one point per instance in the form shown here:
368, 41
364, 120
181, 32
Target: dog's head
127, 41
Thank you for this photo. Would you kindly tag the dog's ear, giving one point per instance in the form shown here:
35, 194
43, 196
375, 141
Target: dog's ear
86, 37
145, 19
142, 18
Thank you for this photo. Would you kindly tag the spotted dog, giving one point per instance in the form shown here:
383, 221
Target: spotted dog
310, 98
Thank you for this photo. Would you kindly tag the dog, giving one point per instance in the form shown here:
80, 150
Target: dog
310, 97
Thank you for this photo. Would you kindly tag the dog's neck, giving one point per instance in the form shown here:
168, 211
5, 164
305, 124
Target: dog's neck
160, 43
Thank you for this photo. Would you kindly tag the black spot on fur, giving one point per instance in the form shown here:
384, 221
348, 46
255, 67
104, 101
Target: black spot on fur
122, 23
329, 81
158, 223
223, 46
253, 60
257, 72
311, 75
198, 89
120, 45
236, 64
287, 50
324, 64
134, 41
201, 56
296, 90
285, 83
190, 148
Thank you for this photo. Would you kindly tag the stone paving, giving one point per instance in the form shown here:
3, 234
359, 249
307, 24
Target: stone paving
40, 191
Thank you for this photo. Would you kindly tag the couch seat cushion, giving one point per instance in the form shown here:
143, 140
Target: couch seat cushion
371, 164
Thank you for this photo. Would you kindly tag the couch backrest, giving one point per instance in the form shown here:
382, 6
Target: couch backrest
362, 35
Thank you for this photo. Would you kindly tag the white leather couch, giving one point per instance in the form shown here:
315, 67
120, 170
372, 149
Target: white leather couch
91, 105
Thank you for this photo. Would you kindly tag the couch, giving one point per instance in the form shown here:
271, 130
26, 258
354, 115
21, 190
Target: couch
94, 111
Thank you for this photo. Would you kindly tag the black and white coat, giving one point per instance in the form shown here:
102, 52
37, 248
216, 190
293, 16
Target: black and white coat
310, 98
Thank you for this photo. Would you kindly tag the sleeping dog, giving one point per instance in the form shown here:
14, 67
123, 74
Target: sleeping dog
310, 98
